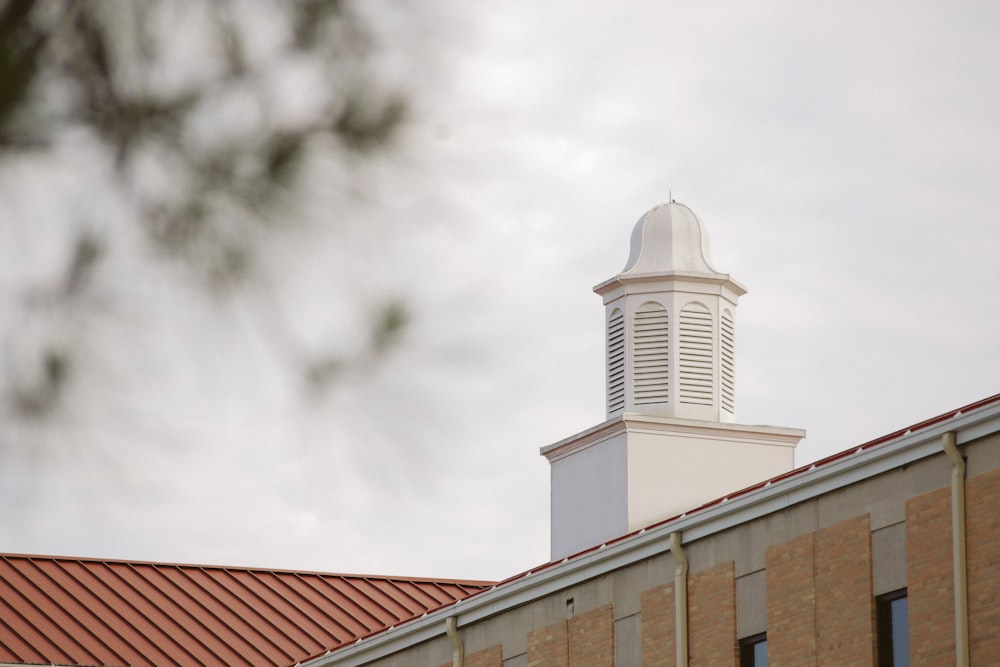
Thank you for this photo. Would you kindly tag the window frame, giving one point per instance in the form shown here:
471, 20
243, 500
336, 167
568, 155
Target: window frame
884, 628
748, 650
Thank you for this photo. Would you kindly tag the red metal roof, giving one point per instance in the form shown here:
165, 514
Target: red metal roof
78, 611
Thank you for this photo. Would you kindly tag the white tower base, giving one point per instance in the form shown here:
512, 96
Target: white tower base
635, 470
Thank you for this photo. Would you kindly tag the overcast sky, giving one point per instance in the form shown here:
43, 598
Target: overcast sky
845, 161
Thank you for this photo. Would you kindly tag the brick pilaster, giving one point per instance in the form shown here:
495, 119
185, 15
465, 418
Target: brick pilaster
712, 617
592, 638
547, 647
657, 607
845, 606
982, 502
791, 595
929, 584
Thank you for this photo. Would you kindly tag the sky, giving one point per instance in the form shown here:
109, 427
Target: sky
844, 160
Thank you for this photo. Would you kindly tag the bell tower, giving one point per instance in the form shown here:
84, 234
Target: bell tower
670, 323
670, 442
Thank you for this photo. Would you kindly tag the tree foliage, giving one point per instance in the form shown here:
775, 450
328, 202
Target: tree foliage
212, 115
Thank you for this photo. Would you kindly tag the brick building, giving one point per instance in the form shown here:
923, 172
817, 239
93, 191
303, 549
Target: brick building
679, 536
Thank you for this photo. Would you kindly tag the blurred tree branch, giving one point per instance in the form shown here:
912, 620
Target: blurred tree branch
208, 149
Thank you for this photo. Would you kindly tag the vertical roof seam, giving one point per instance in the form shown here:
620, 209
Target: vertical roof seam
342, 600
193, 622
41, 613
172, 620
124, 618
236, 581
349, 583
75, 615
186, 572
306, 581
267, 584
15, 633
161, 571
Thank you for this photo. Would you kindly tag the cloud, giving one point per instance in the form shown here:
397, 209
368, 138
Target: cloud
843, 159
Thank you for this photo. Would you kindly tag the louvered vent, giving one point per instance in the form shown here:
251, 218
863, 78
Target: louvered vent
728, 342
616, 361
651, 363
695, 355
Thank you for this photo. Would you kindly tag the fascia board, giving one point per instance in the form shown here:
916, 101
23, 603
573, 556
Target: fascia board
637, 423
584, 439
721, 279
808, 484
696, 428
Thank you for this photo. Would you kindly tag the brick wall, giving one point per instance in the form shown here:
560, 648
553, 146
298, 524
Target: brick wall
547, 647
488, 657
657, 608
587, 640
929, 584
712, 617
982, 502
791, 622
845, 607
592, 638
820, 608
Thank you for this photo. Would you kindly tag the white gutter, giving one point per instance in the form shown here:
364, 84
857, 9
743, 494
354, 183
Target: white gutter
959, 563
680, 600
548, 579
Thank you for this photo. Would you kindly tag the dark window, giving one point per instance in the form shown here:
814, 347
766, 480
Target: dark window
753, 651
893, 629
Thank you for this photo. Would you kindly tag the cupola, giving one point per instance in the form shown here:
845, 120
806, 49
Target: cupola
669, 317
670, 442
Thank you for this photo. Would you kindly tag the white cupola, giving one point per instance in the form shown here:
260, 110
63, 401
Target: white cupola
669, 443
670, 323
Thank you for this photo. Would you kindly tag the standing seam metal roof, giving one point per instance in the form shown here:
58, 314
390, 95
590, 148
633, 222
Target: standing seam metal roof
82, 611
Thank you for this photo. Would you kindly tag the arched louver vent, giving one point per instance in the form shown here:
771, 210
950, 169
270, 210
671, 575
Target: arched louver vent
616, 361
651, 366
728, 344
695, 355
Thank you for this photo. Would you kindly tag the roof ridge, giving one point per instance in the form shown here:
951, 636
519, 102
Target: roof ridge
250, 568
86, 610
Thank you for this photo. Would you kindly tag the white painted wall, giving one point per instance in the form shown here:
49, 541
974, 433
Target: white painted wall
589, 496
671, 473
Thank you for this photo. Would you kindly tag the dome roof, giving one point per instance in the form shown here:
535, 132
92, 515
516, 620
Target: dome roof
669, 238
